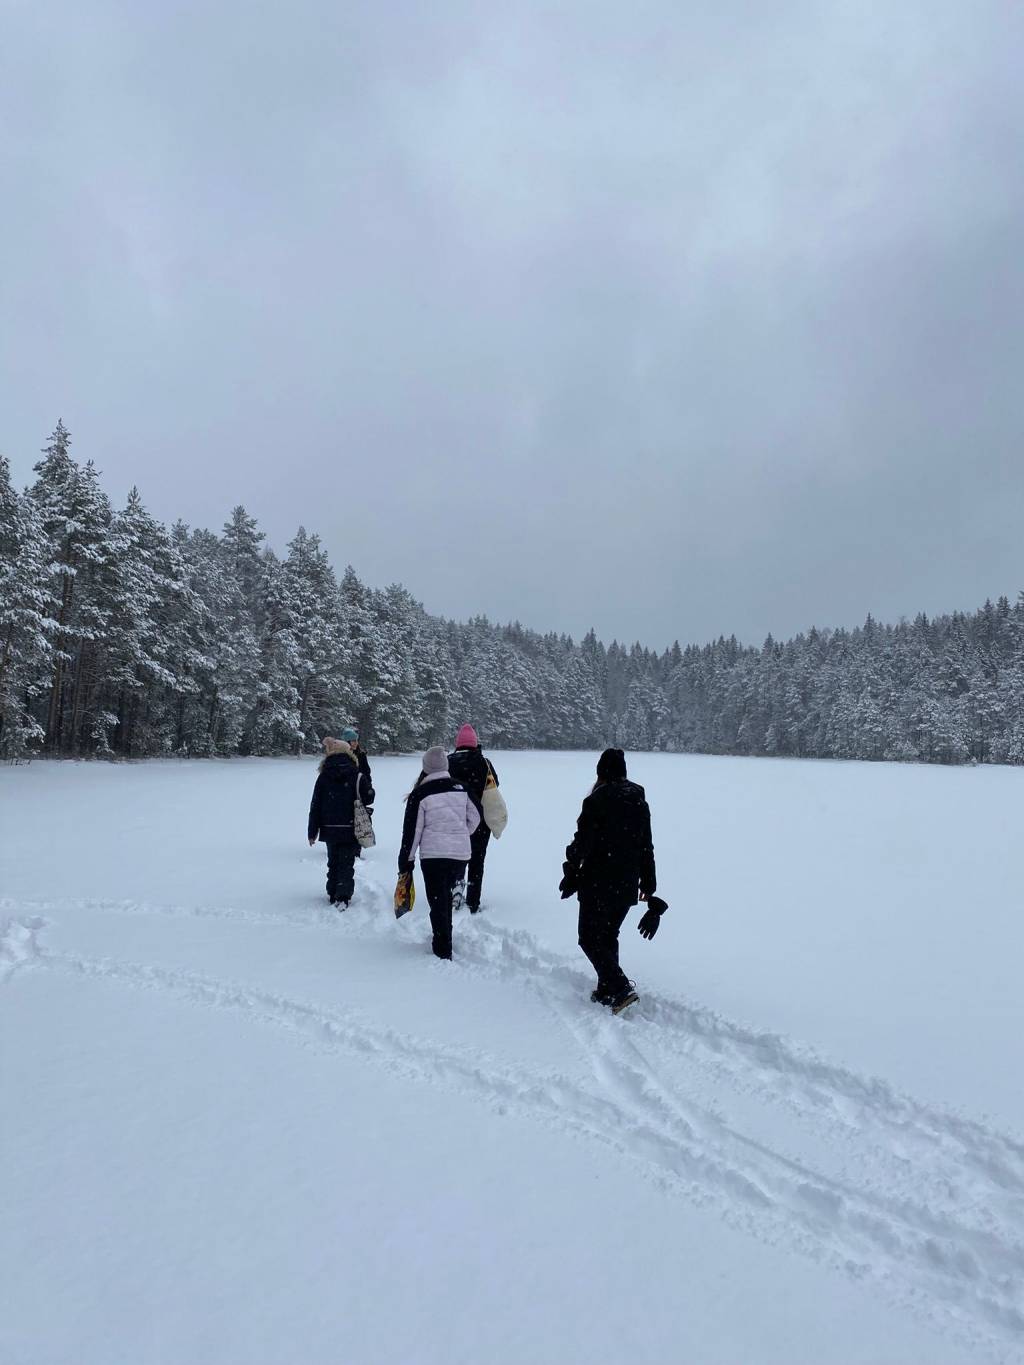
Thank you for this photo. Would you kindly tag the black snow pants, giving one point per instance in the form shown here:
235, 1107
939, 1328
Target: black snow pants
439, 878
341, 877
600, 923
478, 841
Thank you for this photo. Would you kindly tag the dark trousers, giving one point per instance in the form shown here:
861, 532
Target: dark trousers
439, 878
341, 877
478, 842
600, 923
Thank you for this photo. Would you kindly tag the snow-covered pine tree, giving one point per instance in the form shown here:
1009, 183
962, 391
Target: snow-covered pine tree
26, 625
314, 636
117, 637
275, 721
76, 518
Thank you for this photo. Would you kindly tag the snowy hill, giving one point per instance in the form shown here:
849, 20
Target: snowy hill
238, 1126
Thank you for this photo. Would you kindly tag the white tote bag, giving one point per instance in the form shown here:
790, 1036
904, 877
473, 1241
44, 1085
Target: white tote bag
363, 826
495, 810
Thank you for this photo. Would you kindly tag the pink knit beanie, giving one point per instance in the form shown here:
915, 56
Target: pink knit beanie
466, 738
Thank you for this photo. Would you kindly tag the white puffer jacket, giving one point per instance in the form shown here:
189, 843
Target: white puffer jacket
440, 815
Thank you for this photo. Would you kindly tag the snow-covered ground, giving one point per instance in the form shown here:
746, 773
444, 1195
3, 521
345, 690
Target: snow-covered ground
239, 1127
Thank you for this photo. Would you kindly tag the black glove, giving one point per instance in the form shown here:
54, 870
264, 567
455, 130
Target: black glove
567, 885
651, 917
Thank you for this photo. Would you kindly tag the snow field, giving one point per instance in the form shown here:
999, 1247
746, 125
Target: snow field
247, 1127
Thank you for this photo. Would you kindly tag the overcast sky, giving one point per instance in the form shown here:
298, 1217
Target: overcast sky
676, 319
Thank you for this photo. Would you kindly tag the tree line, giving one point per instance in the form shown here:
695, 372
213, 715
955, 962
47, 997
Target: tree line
121, 637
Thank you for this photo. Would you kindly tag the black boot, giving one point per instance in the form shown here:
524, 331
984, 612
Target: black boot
624, 998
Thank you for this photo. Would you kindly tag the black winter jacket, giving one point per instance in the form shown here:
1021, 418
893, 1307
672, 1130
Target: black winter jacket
366, 793
331, 812
611, 859
470, 767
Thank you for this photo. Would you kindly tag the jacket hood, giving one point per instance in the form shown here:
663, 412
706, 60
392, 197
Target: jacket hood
338, 756
619, 789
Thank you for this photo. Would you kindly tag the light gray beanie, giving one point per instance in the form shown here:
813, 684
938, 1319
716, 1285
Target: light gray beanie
435, 760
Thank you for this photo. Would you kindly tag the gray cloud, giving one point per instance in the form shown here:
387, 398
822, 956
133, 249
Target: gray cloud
671, 322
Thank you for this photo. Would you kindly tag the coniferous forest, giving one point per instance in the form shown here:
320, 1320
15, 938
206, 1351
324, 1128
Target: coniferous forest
121, 637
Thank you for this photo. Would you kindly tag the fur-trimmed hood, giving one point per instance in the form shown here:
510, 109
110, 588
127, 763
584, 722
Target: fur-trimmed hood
337, 747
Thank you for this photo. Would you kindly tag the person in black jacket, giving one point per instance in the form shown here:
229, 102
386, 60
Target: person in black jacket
610, 865
332, 817
351, 737
468, 765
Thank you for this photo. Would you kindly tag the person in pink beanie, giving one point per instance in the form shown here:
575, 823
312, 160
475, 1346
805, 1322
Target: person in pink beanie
469, 766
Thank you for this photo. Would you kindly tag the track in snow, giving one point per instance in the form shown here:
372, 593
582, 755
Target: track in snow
927, 1204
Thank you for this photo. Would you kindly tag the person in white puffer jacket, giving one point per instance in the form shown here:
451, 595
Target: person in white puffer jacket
440, 816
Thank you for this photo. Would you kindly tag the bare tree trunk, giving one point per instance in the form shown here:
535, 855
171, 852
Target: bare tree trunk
132, 710
211, 724
54, 726
122, 719
302, 714
78, 700
6, 656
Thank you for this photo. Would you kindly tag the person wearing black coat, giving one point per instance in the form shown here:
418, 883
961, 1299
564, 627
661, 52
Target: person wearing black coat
332, 817
468, 765
610, 866
351, 738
